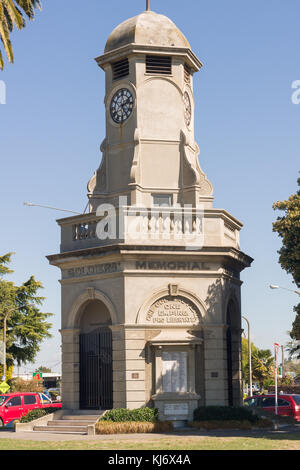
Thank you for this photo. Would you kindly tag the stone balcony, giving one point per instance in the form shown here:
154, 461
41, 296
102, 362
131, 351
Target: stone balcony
189, 228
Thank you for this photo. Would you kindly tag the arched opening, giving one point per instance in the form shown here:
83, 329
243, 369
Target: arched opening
95, 352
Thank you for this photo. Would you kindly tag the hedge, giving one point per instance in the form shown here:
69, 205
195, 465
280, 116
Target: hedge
38, 413
224, 413
120, 415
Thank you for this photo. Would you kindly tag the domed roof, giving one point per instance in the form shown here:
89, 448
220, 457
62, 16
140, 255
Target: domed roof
148, 28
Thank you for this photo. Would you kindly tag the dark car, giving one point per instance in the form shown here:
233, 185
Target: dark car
287, 404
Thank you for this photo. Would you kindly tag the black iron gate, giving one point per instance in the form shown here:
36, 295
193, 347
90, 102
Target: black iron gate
96, 391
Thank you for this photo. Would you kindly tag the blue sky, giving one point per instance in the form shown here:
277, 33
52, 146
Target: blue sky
246, 125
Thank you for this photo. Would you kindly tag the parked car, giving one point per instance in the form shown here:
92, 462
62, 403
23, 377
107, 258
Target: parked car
14, 405
54, 394
46, 392
288, 404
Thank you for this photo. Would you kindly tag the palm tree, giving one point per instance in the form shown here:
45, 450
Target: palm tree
12, 14
262, 365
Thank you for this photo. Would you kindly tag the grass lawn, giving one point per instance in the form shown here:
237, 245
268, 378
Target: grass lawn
270, 442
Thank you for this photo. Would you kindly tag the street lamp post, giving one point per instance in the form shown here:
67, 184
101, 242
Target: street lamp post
249, 355
279, 287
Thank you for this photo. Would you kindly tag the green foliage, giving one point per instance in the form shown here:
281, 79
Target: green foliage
262, 363
224, 413
38, 413
27, 325
288, 228
12, 14
120, 415
43, 369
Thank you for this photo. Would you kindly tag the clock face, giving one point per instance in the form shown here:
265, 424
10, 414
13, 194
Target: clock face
121, 105
187, 108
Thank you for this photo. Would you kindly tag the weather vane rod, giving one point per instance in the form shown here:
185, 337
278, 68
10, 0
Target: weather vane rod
148, 5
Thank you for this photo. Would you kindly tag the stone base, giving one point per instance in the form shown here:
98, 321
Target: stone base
177, 407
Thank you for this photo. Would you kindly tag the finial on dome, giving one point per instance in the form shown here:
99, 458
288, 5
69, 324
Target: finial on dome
148, 5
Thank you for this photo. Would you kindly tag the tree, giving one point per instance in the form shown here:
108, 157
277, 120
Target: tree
43, 369
288, 228
20, 385
262, 365
13, 14
27, 326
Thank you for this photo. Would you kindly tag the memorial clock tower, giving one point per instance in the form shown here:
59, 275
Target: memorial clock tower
151, 301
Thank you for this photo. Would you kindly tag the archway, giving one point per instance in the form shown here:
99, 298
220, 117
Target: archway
95, 353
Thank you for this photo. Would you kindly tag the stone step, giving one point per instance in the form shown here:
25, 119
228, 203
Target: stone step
79, 422
93, 418
62, 429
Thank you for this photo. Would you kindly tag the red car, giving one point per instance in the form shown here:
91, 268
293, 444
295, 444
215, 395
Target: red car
288, 405
15, 405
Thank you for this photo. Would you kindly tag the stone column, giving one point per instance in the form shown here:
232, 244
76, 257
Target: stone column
70, 368
236, 366
135, 367
215, 357
119, 367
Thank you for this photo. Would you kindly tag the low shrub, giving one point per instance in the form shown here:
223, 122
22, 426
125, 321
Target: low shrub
224, 413
120, 415
112, 427
35, 414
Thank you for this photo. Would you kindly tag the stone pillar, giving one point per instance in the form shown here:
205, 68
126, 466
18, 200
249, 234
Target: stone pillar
135, 367
236, 367
215, 366
119, 367
70, 368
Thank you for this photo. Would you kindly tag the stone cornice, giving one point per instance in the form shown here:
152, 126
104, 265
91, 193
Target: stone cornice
212, 253
133, 48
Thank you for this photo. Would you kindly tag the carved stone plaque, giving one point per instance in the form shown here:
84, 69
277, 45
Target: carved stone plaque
173, 310
174, 371
176, 409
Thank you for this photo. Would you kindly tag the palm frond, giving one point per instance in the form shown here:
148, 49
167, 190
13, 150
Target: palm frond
29, 6
1, 61
12, 14
4, 35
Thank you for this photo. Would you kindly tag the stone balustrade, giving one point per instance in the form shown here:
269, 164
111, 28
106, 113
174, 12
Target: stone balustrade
174, 226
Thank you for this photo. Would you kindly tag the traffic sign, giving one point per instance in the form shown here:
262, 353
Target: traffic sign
4, 387
37, 376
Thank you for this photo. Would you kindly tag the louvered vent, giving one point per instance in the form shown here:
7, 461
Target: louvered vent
156, 64
120, 69
187, 74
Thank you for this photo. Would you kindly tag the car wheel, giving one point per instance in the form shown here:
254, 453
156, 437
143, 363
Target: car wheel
1, 423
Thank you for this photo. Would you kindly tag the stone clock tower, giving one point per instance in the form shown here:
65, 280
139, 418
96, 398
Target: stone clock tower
151, 305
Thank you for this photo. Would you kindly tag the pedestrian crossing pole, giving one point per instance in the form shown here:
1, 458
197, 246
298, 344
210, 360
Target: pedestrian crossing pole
276, 354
